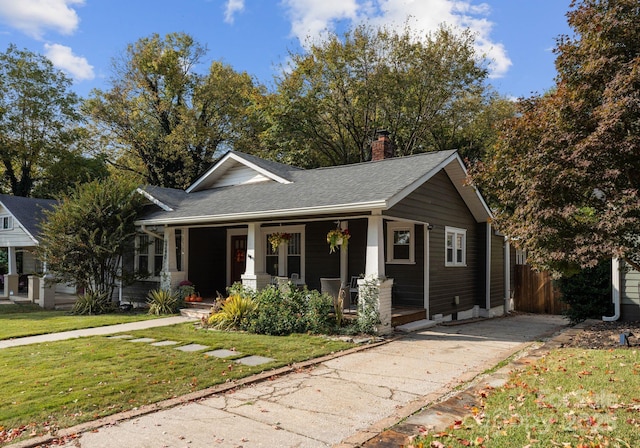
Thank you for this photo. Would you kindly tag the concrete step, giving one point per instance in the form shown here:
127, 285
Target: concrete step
198, 313
416, 325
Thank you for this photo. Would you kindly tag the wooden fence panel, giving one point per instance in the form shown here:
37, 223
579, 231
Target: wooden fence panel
535, 292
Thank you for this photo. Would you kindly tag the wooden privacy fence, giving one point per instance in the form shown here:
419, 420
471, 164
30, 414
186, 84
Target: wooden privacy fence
534, 292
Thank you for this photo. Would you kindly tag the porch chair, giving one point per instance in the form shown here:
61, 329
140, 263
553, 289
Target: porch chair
353, 291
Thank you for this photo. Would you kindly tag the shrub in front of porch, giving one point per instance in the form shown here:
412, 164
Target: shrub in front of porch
276, 312
282, 313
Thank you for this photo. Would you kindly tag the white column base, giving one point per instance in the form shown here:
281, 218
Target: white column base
256, 281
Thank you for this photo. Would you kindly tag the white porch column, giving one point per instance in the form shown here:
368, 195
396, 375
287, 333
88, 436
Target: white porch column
375, 272
11, 279
487, 311
254, 275
374, 266
170, 277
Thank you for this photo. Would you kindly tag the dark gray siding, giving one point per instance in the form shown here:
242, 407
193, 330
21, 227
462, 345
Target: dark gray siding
497, 270
438, 203
208, 260
319, 262
408, 279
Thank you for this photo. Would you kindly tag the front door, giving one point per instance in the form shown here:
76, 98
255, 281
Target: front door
238, 260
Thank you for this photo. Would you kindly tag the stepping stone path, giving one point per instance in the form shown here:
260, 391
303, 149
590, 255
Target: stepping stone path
252, 360
223, 353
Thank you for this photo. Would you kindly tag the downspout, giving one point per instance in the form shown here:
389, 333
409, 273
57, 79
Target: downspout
507, 276
488, 270
615, 291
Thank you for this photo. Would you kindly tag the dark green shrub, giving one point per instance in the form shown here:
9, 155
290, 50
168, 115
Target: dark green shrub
93, 303
588, 293
293, 311
162, 301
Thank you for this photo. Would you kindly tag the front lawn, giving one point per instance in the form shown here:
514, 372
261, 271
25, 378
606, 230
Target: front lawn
573, 398
60, 384
29, 320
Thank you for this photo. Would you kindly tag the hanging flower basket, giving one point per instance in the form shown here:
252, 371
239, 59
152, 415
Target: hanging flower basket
336, 238
276, 239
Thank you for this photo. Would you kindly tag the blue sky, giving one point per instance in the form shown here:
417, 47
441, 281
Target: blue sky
81, 37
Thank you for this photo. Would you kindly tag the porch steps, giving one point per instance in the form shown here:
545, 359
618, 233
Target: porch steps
405, 315
416, 325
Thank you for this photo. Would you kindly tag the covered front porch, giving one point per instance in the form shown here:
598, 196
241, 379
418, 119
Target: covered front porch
213, 257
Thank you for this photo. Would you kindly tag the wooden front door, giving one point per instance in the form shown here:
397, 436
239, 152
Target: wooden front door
238, 260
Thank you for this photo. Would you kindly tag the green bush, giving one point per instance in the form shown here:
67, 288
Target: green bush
233, 312
92, 303
162, 301
292, 311
588, 293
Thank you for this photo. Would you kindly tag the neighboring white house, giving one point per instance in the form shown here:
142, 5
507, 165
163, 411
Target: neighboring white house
20, 220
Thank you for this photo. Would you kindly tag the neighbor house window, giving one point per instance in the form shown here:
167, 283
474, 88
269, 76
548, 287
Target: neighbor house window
288, 258
149, 253
6, 223
456, 247
400, 242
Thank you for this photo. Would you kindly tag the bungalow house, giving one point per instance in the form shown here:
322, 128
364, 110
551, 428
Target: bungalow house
416, 227
19, 234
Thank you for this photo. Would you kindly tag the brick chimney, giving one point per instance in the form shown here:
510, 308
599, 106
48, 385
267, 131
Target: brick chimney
383, 147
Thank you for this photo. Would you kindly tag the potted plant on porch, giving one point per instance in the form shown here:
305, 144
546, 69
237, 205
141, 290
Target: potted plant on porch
337, 237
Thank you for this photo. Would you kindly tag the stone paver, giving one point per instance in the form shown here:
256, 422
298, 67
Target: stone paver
254, 360
223, 353
121, 336
147, 340
192, 347
164, 343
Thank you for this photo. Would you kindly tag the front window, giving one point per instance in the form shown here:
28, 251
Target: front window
149, 255
400, 243
288, 258
6, 223
456, 247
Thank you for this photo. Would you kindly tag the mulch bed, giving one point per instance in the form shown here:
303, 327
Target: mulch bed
605, 335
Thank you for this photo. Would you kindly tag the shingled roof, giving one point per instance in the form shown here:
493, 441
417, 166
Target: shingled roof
338, 189
29, 212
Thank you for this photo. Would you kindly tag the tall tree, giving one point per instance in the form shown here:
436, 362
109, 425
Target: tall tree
565, 174
329, 104
165, 120
85, 237
39, 119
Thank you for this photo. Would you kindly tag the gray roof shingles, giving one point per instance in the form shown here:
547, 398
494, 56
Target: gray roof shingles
28, 211
317, 188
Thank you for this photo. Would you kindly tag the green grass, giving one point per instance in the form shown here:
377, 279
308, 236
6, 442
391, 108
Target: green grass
572, 398
29, 320
64, 383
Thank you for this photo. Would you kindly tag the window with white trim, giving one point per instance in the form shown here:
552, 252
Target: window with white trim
400, 243
455, 247
288, 258
149, 255
6, 223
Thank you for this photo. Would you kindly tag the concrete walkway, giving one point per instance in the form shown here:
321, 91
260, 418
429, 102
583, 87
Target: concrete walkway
97, 331
342, 402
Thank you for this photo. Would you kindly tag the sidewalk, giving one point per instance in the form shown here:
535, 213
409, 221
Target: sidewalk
97, 331
345, 401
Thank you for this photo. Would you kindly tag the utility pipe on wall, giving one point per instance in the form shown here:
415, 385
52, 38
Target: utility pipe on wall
615, 291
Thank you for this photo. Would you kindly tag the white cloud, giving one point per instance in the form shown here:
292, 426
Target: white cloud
233, 6
311, 18
33, 17
63, 58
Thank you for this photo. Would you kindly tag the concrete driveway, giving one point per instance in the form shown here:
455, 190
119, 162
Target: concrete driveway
341, 402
